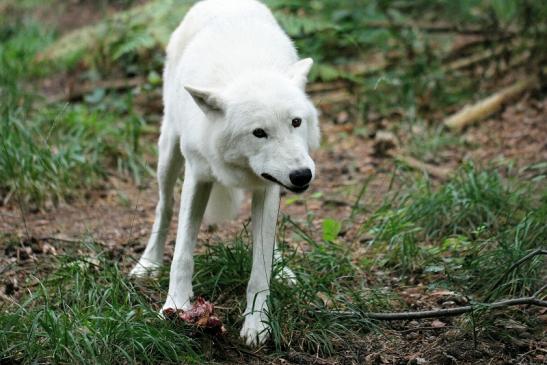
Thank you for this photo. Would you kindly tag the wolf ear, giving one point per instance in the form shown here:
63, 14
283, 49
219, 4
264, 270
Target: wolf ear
208, 100
298, 71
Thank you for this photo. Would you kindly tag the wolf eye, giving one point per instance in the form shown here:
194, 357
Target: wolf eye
296, 122
260, 133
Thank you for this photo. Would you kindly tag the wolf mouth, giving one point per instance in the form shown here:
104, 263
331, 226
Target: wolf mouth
297, 190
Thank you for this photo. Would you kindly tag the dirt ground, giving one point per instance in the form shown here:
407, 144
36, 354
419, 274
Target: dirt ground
121, 213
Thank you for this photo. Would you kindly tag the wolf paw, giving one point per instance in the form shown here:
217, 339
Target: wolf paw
184, 304
145, 268
255, 331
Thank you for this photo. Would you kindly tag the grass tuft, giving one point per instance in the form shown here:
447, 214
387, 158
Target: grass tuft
88, 312
471, 228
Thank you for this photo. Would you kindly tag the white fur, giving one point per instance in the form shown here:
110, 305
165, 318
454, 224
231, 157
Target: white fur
230, 70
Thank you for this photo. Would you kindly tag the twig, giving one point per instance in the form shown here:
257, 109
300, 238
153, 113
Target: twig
490, 105
516, 264
59, 239
447, 312
516, 47
321, 87
539, 291
475, 58
7, 298
473, 44
436, 171
68, 240
419, 329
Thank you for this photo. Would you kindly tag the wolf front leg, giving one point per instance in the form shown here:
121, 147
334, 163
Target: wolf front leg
264, 219
192, 206
169, 167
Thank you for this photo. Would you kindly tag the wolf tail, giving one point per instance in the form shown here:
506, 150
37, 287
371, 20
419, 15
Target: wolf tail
224, 204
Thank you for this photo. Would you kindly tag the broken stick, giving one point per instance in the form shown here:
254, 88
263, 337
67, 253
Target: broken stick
446, 312
438, 172
490, 105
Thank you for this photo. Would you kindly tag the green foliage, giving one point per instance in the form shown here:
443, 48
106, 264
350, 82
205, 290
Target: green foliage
298, 314
50, 150
66, 148
88, 312
123, 34
461, 235
223, 269
469, 228
331, 229
337, 34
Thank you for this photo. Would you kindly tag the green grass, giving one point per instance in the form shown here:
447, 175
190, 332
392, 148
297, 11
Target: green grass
428, 143
50, 151
89, 312
470, 228
461, 236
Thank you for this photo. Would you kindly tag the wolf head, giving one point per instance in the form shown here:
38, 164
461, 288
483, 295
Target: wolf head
268, 124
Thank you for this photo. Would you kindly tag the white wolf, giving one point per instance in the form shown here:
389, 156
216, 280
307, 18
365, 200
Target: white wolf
236, 110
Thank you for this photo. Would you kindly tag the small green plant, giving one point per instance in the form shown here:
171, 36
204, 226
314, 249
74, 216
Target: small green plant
331, 229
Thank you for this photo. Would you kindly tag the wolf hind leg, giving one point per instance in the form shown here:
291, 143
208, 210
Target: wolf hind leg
283, 272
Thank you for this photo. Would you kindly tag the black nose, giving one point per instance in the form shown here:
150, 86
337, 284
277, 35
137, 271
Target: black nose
300, 177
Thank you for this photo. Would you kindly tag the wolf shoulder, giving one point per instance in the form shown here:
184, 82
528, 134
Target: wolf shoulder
224, 36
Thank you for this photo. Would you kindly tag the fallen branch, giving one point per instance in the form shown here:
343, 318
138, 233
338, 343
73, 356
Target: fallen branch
435, 171
447, 312
78, 92
539, 291
490, 105
322, 87
476, 58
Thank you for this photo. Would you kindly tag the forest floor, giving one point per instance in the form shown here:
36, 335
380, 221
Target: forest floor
118, 216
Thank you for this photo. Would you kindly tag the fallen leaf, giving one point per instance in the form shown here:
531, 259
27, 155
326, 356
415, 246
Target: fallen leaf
438, 324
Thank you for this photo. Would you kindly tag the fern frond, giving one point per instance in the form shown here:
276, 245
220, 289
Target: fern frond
147, 26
